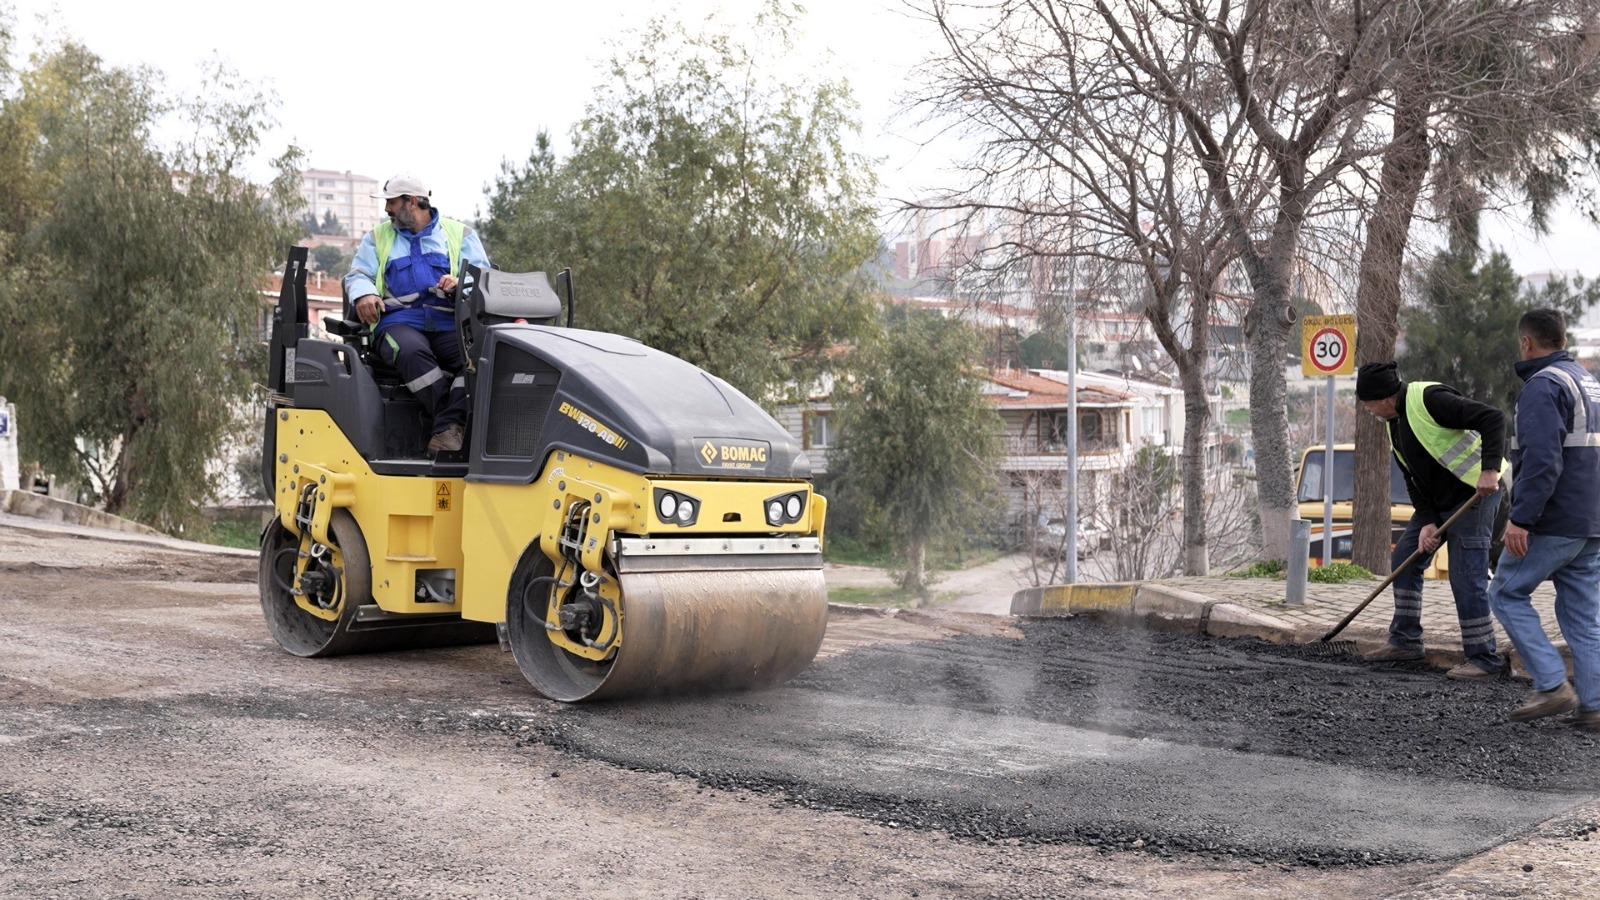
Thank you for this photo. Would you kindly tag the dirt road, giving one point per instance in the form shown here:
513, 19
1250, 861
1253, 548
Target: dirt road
153, 742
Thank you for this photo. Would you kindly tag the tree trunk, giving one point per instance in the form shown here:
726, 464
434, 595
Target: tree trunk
916, 568
1267, 328
1405, 164
120, 493
1196, 425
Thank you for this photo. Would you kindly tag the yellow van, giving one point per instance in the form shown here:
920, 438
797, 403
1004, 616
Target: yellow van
1308, 493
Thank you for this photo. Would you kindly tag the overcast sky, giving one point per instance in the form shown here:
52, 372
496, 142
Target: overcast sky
449, 90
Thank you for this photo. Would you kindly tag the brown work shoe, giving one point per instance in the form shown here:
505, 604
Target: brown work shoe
447, 441
1587, 719
1546, 703
1470, 671
1394, 653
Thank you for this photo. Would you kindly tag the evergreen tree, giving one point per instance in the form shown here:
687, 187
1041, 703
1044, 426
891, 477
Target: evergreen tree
130, 307
917, 439
708, 208
1464, 330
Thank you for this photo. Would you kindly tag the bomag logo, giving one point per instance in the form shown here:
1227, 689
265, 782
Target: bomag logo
743, 455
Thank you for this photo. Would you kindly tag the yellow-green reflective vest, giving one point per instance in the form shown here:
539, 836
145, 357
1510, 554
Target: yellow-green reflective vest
383, 241
1461, 452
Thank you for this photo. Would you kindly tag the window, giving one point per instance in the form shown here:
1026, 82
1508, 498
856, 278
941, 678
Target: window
1089, 428
324, 182
1344, 478
819, 430
1053, 431
327, 196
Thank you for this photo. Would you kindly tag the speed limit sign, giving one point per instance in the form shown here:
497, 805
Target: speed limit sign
1328, 345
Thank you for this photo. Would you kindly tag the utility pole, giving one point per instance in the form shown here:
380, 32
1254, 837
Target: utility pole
1072, 399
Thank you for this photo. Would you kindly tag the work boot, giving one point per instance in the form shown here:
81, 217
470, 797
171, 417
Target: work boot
447, 441
1587, 719
1470, 671
1546, 703
1394, 653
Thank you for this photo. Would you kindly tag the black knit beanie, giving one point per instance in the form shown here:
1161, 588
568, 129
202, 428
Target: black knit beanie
1377, 381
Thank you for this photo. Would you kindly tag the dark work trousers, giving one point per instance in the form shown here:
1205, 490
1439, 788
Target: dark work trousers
1468, 541
430, 363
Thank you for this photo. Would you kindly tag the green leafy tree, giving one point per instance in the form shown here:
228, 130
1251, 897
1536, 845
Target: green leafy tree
129, 312
329, 258
1464, 332
709, 208
917, 439
1042, 350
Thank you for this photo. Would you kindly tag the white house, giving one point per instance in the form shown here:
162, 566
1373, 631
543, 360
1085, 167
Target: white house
10, 472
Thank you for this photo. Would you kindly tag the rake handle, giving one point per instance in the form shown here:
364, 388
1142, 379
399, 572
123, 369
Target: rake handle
1410, 560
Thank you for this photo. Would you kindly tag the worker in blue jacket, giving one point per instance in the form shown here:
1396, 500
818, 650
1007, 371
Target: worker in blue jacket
402, 279
1555, 523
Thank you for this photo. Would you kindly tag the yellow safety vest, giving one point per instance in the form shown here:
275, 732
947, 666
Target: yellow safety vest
1460, 451
383, 241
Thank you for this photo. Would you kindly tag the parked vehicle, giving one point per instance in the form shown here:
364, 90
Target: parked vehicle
1308, 493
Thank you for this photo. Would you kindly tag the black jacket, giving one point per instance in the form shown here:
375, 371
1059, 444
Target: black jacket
1434, 491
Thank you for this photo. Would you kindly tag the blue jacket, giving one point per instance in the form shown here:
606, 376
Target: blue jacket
1555, 455
416, 262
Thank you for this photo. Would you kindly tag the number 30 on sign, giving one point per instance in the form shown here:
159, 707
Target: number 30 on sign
1328, 345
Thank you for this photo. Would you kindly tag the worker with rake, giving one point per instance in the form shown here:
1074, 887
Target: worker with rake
1449, 448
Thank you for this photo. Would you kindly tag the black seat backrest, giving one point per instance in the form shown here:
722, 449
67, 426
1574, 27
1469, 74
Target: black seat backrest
488, 297
507, 296
358, 334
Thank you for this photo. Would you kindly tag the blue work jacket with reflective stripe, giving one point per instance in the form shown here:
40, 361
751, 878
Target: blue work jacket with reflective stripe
1555, 455
416, 262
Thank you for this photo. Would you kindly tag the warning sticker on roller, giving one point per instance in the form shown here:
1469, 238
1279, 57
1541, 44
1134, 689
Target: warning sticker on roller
441, 497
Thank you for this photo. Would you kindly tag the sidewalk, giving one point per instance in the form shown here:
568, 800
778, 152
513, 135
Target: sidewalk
1326, 604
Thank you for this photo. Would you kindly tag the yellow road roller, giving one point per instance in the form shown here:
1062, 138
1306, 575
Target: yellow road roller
624, 522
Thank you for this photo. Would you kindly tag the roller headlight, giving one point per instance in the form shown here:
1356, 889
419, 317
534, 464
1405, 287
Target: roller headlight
676, 509
785, 509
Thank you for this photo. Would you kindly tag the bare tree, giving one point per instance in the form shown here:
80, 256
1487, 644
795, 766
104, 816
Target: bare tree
1256, 107
1043, 500
1100, 187
1139, 507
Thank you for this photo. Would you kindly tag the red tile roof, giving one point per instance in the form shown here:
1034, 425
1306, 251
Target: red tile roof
326, 292
1038, 391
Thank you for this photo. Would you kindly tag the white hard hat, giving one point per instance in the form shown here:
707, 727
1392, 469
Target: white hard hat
403, 186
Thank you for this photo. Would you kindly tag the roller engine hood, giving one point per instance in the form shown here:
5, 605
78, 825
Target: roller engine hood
616, 398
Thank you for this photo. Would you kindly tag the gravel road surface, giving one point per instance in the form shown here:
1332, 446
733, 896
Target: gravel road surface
154, 743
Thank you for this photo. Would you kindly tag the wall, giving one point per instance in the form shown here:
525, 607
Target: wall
10, 472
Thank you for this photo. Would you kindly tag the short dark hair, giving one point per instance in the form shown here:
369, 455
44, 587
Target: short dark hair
1545, 327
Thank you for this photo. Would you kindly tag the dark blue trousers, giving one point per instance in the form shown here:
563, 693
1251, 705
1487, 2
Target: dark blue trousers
430, 363
1469, 541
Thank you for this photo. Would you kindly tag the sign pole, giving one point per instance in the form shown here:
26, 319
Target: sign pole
1327, 350
1327, 484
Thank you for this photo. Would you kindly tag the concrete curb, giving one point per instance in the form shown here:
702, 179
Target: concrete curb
54, 509
861, 609
157, 539
1158, 604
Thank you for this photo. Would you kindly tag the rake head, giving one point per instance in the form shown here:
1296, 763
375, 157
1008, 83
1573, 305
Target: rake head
1329, 649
